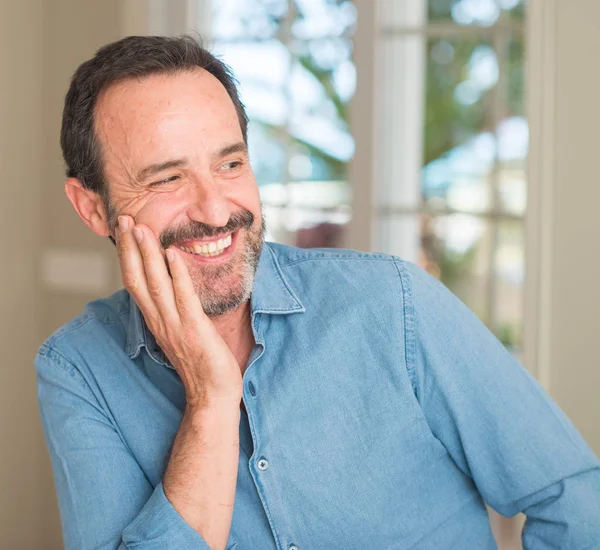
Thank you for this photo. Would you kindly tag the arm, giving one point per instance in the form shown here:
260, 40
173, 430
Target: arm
200, 480
104, 497
105, 500
202, 472
498, 424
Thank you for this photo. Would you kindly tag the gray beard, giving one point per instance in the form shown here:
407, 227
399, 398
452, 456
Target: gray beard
213, 302
216, 303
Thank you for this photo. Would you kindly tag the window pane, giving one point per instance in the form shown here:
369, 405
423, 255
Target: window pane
318, 123
452, 149
512, 188
263, 93
483, 13
509, 270
323, 18
516, 76
460, 146
456, 249
244, 19
267, 149
300, 225
293, 60
512, 132
516, 9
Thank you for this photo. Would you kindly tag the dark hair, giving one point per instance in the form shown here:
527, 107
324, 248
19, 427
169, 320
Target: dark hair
130, 57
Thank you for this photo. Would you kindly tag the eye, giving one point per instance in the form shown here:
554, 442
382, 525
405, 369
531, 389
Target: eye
231, 165
165, 181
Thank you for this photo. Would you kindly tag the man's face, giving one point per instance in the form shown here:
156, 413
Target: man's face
174, 159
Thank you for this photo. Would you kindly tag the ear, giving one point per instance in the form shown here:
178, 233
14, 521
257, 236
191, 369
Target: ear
89, 205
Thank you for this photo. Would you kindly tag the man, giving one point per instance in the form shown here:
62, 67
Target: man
251, 395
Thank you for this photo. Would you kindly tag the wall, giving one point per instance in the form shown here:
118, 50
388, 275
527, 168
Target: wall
41, 44
563, 223
575, 265
74, 30
21, 453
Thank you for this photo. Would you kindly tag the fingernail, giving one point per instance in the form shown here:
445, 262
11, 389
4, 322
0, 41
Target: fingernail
117, 232
123, 223
170, 255
138, 234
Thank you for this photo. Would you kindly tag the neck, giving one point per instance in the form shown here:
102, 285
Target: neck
235, 327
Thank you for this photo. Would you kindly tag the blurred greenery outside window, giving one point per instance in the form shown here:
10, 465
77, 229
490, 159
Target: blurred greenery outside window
462, 216
452, 133
293, 61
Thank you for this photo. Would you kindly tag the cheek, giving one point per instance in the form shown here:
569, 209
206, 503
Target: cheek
162, 210
158, 213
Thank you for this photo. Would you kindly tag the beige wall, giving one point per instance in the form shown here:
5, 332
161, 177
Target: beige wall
21, 449
73, 30
575, 224
562, 294
41, 43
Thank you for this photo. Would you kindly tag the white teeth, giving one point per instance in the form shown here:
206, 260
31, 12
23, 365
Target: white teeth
210, 249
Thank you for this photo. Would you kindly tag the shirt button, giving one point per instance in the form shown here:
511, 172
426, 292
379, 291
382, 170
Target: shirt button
293, 547
263, 464
252, 389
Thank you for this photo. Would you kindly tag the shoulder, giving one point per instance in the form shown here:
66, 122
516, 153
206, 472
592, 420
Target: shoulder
370, 267
101, 320
377, 280
289, 255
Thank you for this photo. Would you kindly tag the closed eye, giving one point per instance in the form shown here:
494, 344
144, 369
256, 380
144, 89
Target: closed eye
164, 181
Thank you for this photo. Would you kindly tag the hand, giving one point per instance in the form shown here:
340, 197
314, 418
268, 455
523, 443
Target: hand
174, 313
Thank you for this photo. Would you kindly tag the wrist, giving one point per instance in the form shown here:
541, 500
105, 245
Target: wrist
208, 401
211, 405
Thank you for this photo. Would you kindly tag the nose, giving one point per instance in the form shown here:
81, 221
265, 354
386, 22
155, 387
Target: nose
208, 203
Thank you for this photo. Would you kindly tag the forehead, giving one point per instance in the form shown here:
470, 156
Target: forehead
135, 116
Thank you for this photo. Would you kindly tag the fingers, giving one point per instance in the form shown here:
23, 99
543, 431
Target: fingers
160, 286
132, 268
186, 300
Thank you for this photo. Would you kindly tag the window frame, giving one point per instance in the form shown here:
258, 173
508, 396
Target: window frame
363, 231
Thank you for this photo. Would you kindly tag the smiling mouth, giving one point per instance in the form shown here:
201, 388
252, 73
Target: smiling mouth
207, 249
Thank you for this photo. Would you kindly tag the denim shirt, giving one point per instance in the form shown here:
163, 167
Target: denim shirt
381, 414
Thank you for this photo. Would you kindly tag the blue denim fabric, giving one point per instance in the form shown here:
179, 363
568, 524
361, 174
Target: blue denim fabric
384, 414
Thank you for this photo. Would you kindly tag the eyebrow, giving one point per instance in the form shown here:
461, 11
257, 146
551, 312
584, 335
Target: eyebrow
159, 167
239, 147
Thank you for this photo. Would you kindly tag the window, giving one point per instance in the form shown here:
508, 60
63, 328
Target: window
293, 60
452, 141
450, 132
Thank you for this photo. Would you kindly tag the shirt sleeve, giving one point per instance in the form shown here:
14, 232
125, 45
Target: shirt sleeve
105, 499
498, 424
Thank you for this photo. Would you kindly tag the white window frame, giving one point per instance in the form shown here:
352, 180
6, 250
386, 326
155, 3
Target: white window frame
364, 229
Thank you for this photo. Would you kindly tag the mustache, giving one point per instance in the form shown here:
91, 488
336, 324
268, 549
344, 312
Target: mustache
199, 230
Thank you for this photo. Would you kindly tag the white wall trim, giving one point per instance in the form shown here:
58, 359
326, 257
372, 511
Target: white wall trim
541, 43
360, 230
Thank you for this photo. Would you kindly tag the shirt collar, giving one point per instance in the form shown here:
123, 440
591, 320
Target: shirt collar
272, 293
